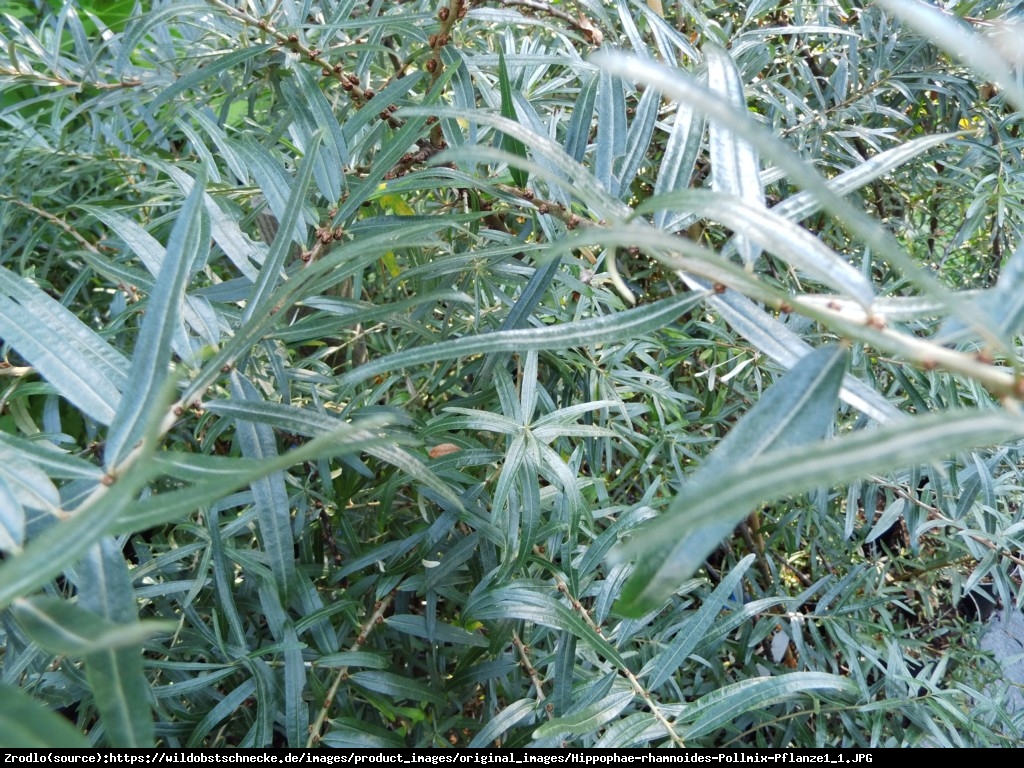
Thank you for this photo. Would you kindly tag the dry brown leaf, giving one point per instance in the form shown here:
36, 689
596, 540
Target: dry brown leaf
443, 450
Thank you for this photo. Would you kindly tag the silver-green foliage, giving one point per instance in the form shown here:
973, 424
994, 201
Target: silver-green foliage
327, 415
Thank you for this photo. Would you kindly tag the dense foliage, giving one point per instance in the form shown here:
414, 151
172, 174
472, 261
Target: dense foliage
514, 372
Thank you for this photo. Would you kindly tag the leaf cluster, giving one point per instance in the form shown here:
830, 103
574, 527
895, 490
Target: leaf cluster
450, 374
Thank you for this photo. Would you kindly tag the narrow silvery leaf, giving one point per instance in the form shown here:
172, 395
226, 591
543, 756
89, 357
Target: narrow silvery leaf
797, 409
981, 52
521, 311
12, 519
611, 129
296, 710
508, 111
323, 116
210, 68
695, 627
1002, 307
343, 441
267, 698
635, 730
389, 154
803, 204
152, 357
224, 229
64, 628
680, 85
276, 186
610, 328
735, 168
726, 704
781, 344
269, 493
227, 706
58, 546
116, 674
679, 160
151, 253
47, 458
202, 118
26, 724
638, 140
730, 495
398, 686
588, 719
583, 183
577, 134
80, 365
28, 483
539, 604
629, 26
786, 239
356, 733
495, 727
291, 221
146, 247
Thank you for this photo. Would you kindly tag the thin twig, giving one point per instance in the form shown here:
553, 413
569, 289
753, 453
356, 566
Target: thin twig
375, 618
530, 669
638, 689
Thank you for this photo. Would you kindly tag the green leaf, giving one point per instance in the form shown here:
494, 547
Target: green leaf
439, 631
258, 442
522, 310
509, 717
65, 629
398, 687
296, 709
631, 731
152, 357
29, 485
267, 703
777, 234
26, 724
508, 110
948, 31
735, 166
352, 733
577, 134
796, 410
165, 507
563, 172
680, 85
314, 112
80, 365
804, 204
726, 499
115, 672
208, 69
778, 341
354, 659
152, 254
637, 141
608, 329
678, 162
611, 129
537, 603
227, 706
12, 516
588, 719
696, 626
47, 457
260, 302
61, 544
729, 702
